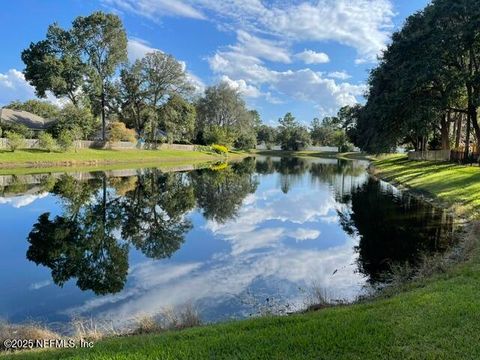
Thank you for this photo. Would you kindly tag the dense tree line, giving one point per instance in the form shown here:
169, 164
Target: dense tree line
425, 91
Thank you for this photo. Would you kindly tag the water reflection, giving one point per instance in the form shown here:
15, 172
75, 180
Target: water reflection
394, 228
146, 239
103, 218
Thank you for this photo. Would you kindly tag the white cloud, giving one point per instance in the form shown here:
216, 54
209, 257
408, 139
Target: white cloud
312, 57
342, 75
13, 86
22, 200
155, 9
261, 48
303, 84
138, 48
364, 25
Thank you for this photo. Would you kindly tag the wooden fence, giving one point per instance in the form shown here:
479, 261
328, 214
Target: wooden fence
98, 144
431, 155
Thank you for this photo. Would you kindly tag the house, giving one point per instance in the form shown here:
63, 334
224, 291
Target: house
34, 122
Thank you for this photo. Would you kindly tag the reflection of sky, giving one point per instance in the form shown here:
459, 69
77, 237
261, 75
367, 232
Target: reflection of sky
277, 243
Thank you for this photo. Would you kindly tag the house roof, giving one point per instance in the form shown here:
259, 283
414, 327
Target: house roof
25, 118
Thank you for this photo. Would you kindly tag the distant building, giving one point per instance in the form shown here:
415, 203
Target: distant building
18, 117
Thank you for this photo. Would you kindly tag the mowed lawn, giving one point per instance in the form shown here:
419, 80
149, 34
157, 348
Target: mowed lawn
448, 182
33, 158
436, 318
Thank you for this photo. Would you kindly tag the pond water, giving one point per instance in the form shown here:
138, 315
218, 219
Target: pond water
232, 240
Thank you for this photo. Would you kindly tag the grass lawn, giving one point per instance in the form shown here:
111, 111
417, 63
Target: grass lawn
39, 158
436, 318
450, 183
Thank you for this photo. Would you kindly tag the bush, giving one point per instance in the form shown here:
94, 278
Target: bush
15, 140
218, 135
47, 142
65, 140
117, 131
220, 149
246, 141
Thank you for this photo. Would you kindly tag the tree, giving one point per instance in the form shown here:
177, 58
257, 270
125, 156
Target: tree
76, 118
223, 108
47, 142
102, 41
163, 76
44, 109
266, 134
177, 118
291, 135
55, 65
321, 133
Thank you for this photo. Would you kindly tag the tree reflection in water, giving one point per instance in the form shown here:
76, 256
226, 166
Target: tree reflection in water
104, 218
394, 228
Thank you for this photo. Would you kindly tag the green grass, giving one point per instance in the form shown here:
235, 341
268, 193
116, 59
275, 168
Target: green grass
450, 183
92, 157
435, 318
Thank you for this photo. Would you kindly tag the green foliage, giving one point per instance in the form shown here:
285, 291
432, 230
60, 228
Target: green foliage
117, 131
44, 109
177, 118
15, 140
246, 141
66, 139
17, 128
78, 119
219, 135
220, 149
47, 142
266, 134
222, 116
55, 64
291, 135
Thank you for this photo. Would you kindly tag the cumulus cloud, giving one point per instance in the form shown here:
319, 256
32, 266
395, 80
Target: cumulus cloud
303, 84
313, 57
261, 48
364, 25
342, 75
155, 9
22, 200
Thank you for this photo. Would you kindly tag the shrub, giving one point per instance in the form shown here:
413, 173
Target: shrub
220, 149
15, 140
47, 142
246, 141
65, 140
119, 132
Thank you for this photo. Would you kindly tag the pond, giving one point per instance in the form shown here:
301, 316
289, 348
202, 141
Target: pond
230, 239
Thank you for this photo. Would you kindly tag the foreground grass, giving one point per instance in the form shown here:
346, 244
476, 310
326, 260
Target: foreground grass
92, 157
435, 318
452, 184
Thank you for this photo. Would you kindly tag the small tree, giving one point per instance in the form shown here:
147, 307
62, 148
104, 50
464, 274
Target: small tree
47, 142
15, 140
65, 140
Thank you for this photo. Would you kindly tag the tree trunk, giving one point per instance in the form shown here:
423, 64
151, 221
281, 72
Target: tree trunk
104, 137
459, 131
445, 131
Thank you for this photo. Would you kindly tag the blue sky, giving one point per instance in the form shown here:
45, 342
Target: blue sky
307, 57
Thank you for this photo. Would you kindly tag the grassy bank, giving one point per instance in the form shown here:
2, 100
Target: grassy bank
434, 318
451, 184
92, 157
